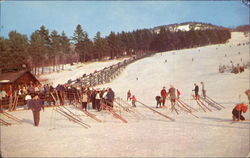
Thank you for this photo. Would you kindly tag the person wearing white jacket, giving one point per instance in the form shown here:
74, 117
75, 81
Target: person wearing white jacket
84, 100
97, 100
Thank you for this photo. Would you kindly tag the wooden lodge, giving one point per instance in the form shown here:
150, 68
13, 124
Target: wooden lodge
13, 79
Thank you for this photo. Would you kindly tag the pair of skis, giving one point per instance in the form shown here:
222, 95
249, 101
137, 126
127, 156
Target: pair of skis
71, 117
202, 105
3, 122
93, 116
157, 112
69, 114
110, 109
185, 107
127, 108
213, 101
210, 102
13, 102
12, 117
234, 121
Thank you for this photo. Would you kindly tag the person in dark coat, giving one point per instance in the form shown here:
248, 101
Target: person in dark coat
36, 105
93, 95
128, 95
110, 97
158, 101
196, 91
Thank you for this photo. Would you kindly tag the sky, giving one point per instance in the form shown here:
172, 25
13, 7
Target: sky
105, 16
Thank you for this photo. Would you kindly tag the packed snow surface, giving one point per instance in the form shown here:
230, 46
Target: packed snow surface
211, 135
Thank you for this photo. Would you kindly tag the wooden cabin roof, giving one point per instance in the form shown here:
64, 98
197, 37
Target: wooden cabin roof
11, 77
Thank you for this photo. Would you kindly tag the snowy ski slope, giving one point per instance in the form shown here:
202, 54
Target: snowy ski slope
209, 136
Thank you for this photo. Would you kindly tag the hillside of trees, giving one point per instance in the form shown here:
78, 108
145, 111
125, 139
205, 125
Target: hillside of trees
243, 28
53, 49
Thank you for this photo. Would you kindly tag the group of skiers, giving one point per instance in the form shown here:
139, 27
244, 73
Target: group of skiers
174, 94
171, 93
196, 91
239, 68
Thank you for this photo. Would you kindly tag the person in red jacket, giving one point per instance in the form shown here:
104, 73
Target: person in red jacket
237, 111
164, 95
133, 99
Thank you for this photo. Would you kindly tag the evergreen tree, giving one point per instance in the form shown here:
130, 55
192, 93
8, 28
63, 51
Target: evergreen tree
5, 56
82, 43
100, 46
36, 50
18, 45
65, 43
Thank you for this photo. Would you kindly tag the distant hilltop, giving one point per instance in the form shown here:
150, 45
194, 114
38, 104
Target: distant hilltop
242, 28
187, 26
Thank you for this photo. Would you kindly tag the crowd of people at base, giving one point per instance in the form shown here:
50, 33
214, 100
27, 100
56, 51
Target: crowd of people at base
61, 93
96, 97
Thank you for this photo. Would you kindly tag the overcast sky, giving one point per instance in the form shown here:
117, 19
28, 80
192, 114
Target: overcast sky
106, 16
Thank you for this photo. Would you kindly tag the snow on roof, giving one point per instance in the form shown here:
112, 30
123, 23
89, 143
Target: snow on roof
4, 81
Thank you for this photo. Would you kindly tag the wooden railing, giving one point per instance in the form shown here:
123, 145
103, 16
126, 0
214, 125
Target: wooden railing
107, 74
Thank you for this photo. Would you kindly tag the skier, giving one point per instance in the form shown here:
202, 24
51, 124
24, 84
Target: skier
172, 97
164, 95
3, 94
92, 96
196, 90
133, 99
97, 100
36, 105
84, 100
111, 97
237, 111
158, 101
128, 95
203, 90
